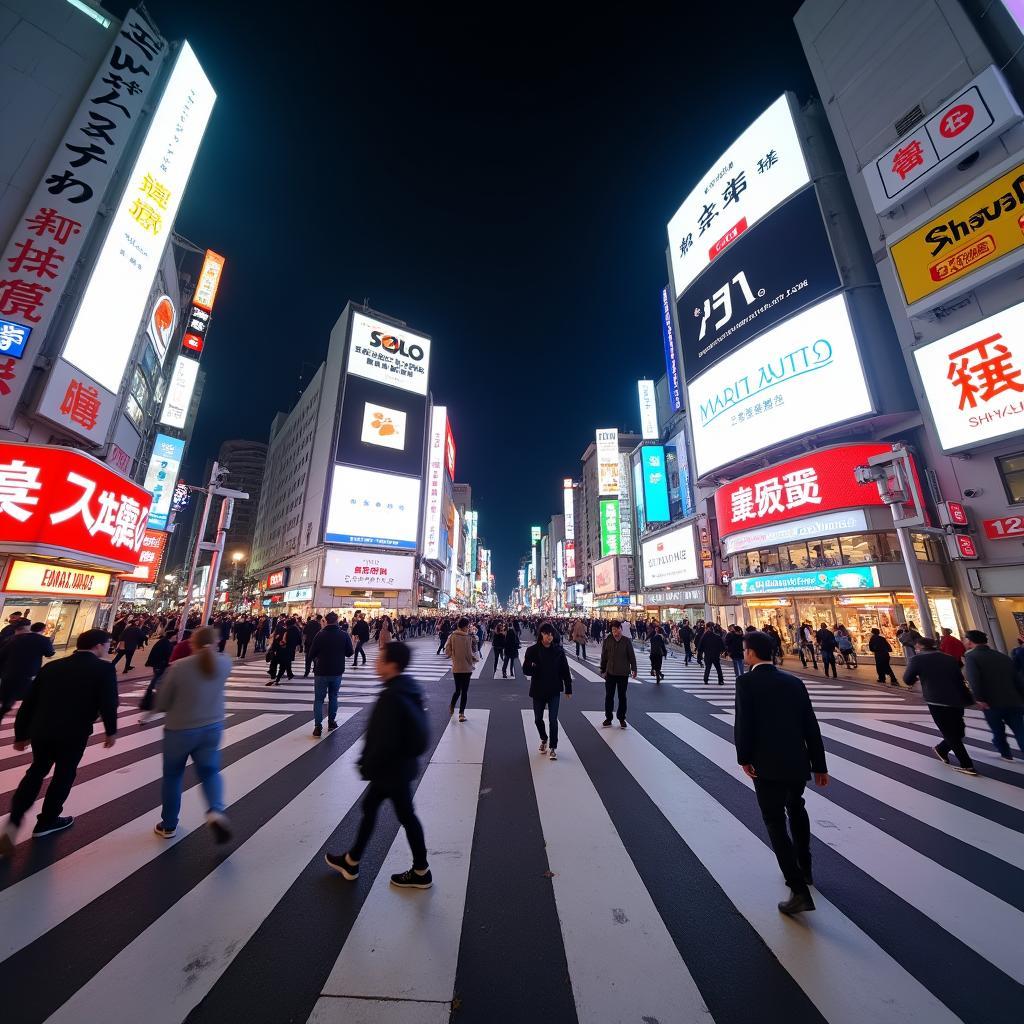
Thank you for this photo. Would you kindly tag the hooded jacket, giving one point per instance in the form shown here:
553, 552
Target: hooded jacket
460, 648
397, 735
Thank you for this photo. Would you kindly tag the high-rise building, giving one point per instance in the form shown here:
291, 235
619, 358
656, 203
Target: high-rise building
246, 463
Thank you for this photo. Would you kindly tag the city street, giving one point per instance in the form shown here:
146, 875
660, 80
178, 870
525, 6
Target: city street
630, 880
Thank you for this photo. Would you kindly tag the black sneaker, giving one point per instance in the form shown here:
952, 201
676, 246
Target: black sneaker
318, 730
344, 867
607, 722
965, 769
45, 828
944, 758
412, 879
797, 903
622, 724
331, 726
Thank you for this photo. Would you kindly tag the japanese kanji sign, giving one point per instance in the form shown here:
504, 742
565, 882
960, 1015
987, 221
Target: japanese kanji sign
42, 252
822, 481
61, 501
77, 403
153, 544
368, 572
974, 380
981, 110
764, 166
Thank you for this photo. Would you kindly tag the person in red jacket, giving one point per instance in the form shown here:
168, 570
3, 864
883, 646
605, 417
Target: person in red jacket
183, 648
952, 645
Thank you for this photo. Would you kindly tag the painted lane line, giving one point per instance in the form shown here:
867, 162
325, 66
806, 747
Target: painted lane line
485, 657
992, 928
611, 929
841, 969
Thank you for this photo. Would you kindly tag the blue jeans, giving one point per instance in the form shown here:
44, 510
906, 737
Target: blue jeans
325, 686
998, 719
538, 717
738, 666
203, 746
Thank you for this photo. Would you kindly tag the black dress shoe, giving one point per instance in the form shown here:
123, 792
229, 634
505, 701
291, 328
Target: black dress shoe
797, 903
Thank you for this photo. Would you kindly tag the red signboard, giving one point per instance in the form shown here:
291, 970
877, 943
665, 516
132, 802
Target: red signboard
60, 501
820, 481
150, 557
965, 545
276, 580
956, 513
1009, 527
449, 450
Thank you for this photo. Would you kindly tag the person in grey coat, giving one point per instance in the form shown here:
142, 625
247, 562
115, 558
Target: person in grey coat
998, 689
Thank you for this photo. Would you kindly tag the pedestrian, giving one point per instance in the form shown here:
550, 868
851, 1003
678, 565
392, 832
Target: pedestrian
779, 747
224, 628
845, 644
243, 630
511, 653
952, 645
442, 636
908, 638
710, 647
945, 692
579, 638
384, 634
686, 639
56, 718
21, 658
309, 631
658, 651
158, 660
827, 644
360, 638
627, 631
191, 695
498, 644
328, 651
805, 644
461, 648
998, 689
291, 637
547, 667
618, 662
734, 648
128, 644
882, 650
398, 733
12, 621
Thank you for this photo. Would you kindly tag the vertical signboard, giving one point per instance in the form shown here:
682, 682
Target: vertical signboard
607, 443
198, 323
434, 499
567, 508
648, 410
179, 392
609, 513
655, 484
161, 475
668, 336
41, 254
625, 508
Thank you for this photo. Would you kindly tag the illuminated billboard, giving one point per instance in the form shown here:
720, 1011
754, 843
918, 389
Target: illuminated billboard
372, 509
179, 392
607, 443
161, 476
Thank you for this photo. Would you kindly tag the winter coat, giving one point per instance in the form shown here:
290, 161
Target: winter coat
548, 670
397, 735
460, 647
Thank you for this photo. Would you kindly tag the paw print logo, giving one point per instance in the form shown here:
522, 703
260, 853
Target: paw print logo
382, 424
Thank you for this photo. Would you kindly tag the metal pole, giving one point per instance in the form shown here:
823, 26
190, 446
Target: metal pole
223, 525
214, 477
914, 572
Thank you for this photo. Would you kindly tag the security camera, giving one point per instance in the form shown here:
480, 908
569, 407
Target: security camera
973, 492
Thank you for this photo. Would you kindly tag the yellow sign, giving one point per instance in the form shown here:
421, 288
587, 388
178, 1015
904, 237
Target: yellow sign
56, 580
982, 228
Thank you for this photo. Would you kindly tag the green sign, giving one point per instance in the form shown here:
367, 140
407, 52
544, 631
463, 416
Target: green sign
609, 526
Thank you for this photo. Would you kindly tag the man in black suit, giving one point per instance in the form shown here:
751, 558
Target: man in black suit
20, 660
56, 717
778, 745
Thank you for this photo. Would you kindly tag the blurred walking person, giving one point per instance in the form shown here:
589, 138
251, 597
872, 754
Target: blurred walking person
998, 688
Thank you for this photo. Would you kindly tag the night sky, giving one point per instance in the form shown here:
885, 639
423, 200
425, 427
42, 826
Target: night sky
501, 185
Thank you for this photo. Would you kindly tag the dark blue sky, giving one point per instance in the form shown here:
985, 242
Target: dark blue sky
502, 184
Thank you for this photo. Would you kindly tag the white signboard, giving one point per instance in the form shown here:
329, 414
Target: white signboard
625, 507
103, 332
974, 380
383, 427
389, 355
801, 376
45, 246
568, 509
433, 504
608, 462
670, 557
355, 570
371, 509
77, 403
980, 111
648, 410
764, 166
830, 524
179, 392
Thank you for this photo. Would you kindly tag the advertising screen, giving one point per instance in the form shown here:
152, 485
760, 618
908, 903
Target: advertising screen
655, 484
607, 442
974, 380
179, 392
381, 428
153, 545
800, 376
765, 276
161, 476
670, 557
449, 450
103, 331
606, 576
360, 571
209, 280
388, 355
568, 509
668, 337
625, 507
764, 166
372, 509
609, 512
850, 578
648, 410
162, 321
828, 524
638, 496
433, 504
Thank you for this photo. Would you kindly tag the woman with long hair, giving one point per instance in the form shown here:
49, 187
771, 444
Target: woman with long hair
191, 694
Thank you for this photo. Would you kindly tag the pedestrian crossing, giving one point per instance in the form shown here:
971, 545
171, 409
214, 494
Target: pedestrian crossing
659, 883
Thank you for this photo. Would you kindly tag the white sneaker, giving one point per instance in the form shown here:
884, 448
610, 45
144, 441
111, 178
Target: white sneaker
552, 755
543, 746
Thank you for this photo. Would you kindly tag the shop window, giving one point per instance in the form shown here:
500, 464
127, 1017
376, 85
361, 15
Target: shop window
857, 549
794, 556
1011, 472
926, 549
890, 547
769, 558
825, 553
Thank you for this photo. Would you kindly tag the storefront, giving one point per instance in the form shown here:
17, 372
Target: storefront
1003, 588
375, 583
673, 605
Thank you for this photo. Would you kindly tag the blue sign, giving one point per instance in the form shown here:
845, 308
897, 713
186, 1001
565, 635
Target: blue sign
161, 476
13, 338
655, 483
858, 577
675, 390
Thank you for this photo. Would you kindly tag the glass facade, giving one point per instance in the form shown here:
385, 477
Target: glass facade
834, 552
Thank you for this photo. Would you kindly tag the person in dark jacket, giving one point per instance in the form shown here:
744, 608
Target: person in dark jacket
130, 641
243, 630
328, 650
511, 652
225, 627
946, 694
733, 641
686, 639
779, 746
12, 622
291, 637
882, 650
397, 735
56, 718
547, 668
309, 632
659, 650
20, 661
360, 638
827, 644
618, 663
709, 649
158, 660
998, 688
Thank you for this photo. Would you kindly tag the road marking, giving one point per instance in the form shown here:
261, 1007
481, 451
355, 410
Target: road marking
485, 654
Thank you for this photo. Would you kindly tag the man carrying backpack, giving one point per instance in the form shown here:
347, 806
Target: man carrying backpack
397, 735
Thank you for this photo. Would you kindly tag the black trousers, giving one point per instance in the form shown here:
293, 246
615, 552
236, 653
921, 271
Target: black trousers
883, 669
242, 647
401, 797
779, 800
716, 661
951, 724
581, 649
656, 665
63, 757
804, 650
497, 658
284, 664
829, 658
359, 652
128, 653
613, 684
509, 662
461, 693
12, 689
689, 652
